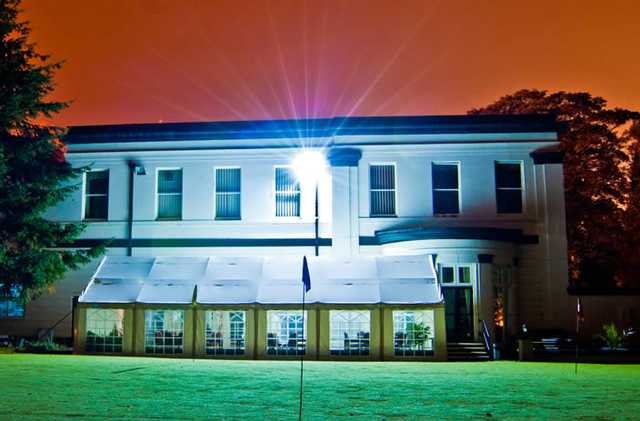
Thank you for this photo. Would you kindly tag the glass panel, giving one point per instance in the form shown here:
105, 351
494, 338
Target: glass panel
286, 333
228, 206
350, 332
508, 175
383, 203
382, 177
163, 331
464, 275
170, 206
170, 181
97, 182
228, 180
287, 193
445, 202
458, 313
413, 332
286, 180
96, 207
509, 201
446, 275
445, 176
105, 330
225, 332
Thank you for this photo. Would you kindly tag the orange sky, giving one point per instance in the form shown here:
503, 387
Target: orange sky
185, 60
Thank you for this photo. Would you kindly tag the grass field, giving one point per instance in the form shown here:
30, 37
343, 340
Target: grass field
54, 387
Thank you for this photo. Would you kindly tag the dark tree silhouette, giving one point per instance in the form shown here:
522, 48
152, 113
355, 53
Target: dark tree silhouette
34, 173
600, 157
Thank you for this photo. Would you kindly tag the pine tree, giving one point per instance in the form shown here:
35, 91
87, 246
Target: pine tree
597, 159
34, 173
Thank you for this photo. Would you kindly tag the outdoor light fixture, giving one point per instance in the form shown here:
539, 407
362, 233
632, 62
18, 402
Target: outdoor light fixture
140, 170
309, 166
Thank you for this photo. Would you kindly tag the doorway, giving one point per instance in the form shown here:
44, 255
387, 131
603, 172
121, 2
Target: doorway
458, 313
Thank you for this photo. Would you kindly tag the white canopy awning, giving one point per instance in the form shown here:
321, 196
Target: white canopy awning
264, 280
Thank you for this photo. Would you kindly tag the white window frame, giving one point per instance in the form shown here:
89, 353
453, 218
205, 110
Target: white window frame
429, 349
163, 346
169, 194
215, 351
96, 325
286, 351
359, 342
456, 275
522, 187
394, 190
458, 190
216, 193
86, 194
275, 195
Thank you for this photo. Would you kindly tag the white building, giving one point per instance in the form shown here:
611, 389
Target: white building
482, 196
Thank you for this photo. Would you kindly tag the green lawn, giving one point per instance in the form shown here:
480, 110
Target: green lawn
43, 386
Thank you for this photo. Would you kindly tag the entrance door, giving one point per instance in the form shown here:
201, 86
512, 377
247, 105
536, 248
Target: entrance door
458, 305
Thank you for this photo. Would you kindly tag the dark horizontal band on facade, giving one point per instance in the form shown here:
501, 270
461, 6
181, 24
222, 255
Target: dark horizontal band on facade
203, 242
448, 233
547, 157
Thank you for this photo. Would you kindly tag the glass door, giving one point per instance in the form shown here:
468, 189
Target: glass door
458, 313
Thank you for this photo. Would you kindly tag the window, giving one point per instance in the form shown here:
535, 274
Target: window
350, 332
163, 331
105, 330
227, 193
286, 332
508, 187
413, 333
96, 195
455, 275
10, 306
224, 332
382, 187
170, 194
446, 200
287, 192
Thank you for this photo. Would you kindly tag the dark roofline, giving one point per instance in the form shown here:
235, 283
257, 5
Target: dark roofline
323, 127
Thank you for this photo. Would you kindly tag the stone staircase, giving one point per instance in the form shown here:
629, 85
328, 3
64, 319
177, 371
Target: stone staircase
467, 351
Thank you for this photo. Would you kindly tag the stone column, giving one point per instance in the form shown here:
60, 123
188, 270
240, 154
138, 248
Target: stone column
344, 213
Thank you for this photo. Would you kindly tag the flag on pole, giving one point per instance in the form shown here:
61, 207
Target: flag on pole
306, 278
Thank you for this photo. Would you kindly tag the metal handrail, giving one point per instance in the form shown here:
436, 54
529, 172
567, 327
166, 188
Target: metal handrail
487, 339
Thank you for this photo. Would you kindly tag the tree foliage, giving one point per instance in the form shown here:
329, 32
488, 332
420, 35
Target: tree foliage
34, 173
601, 169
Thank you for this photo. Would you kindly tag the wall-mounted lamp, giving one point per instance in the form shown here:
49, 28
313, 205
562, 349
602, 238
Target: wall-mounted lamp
140, 170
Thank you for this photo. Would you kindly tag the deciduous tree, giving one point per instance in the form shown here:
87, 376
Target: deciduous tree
599, 153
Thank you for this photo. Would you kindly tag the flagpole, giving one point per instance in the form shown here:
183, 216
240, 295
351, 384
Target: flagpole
302, 354
578, 316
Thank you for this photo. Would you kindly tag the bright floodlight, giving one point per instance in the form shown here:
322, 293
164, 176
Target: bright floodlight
309, 166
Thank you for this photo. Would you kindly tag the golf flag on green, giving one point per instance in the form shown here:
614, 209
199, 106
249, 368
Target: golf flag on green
306, 278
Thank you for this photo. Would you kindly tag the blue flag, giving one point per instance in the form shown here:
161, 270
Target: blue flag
306, 278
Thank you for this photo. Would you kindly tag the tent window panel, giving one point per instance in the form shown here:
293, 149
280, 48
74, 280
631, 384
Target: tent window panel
286, 332
287, 193
225, 332
96, 200
228, 193
446, 189
164, 331
508, 187
350, 332
170, 194
382, 188
105, 330
413, 333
